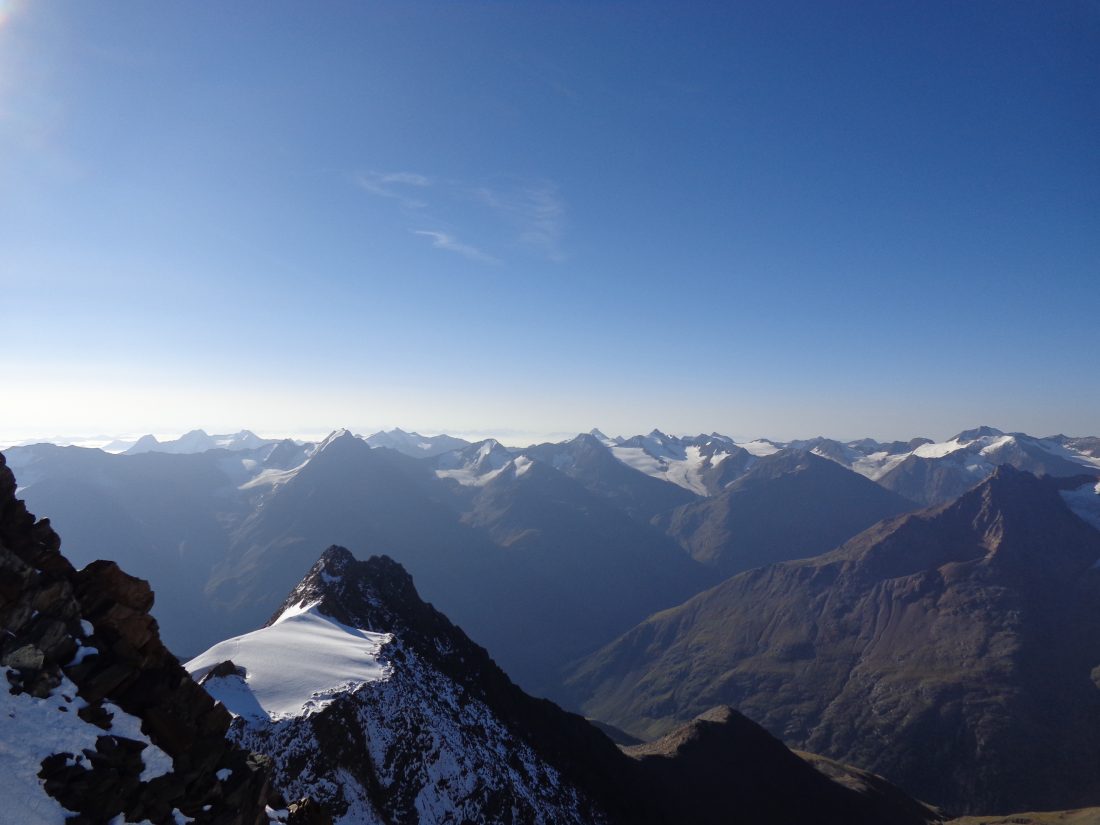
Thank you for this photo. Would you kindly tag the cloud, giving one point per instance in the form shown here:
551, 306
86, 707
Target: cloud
516, 214
536, 211
409, 178
441, 240
394, 185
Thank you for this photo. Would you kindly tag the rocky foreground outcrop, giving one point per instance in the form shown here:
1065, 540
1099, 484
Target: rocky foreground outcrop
98, 716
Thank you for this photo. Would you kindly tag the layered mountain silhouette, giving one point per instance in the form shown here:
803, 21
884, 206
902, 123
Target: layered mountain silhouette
222, 533
955, 651
199, 441
952, 650
525, 552
935, 473
588, 460
415, 444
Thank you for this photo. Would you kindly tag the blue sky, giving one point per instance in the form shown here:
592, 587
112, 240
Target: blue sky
777, 219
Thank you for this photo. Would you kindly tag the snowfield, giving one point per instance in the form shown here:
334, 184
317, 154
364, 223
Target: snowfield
293, 668
682, 466
36, 728
1085, 503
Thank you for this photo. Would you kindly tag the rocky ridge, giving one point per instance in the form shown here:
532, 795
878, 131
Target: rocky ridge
84, 665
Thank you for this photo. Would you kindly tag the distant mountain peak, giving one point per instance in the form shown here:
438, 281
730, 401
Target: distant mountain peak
334, 436
1016, 520
983, 431
415, 444
147, 443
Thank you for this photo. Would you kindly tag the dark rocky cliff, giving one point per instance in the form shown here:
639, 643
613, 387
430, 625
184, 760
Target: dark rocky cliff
85, 639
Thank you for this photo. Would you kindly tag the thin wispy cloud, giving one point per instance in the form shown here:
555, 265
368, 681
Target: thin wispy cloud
395, 185
517, 215
442, 240
536, 211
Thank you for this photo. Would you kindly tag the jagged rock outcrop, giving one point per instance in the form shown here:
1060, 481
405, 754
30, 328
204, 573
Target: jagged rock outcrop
98, 715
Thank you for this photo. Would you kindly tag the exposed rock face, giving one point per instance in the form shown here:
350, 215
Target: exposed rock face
955, 651
84, 665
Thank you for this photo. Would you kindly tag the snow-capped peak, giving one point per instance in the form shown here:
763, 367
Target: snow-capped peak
404, 725
760, 447
476, 465
603, 438
984, 431
333, 437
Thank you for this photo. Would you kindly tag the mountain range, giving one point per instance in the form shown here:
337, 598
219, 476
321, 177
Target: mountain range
358, 698
707, 603
954, 650
376, 706
545, 533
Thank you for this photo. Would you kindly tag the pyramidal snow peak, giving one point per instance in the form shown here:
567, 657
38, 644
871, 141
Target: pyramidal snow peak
377, 706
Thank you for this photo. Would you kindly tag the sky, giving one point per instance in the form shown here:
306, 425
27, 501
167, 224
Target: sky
776, 219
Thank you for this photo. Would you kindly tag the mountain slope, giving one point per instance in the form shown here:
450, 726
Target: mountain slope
428, 729
581, 570
955, 651
589, 460
721, 748
792, 504
702, 464
520, 552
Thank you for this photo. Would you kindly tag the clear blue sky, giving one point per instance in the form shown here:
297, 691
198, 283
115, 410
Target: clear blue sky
780, 219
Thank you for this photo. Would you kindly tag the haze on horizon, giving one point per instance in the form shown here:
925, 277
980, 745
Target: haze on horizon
780, 220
